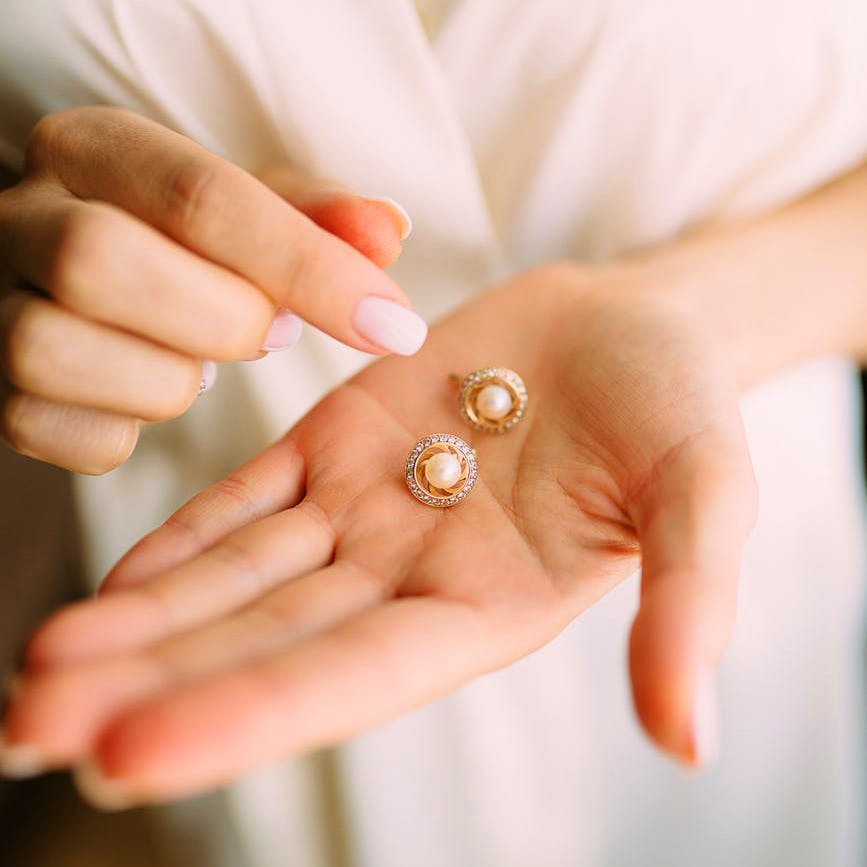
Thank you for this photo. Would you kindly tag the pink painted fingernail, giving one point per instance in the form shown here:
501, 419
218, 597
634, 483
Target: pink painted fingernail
284, 332
100, 792
403, 217
209, 376
390, 325
705, 719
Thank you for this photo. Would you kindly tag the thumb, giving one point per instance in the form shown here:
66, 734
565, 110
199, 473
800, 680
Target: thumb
374, 226
693, 519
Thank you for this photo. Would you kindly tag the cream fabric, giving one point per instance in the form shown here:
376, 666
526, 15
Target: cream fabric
516, 133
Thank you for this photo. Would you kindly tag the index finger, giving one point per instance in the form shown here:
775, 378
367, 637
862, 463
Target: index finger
224, 214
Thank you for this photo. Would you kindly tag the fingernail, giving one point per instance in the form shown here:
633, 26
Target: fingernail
99, 791
284, 332
390, 325
20, 761
399, 210
209, 376
705, 719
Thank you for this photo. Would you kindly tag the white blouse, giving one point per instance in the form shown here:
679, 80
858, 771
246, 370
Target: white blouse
516, 132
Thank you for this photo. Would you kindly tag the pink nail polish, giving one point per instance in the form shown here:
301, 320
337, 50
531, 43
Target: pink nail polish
390, 325
284, 332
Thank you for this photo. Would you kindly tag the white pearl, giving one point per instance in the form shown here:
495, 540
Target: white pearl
493, 402
442, 470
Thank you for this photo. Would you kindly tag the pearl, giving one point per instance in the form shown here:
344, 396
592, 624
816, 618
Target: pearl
493, 402
442, 470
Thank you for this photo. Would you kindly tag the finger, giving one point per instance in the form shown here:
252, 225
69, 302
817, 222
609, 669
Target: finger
83, 440
98, 261
239, 569
270, 482
374, 226
326, 689
57, 355
54, 716
692, 525
224, 214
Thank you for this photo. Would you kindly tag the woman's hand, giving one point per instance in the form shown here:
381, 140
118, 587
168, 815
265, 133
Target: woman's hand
309, 596
149, 254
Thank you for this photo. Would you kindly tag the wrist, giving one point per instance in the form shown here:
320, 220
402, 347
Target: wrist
777, 290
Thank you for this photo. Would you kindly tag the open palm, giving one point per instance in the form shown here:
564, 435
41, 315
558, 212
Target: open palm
310, 596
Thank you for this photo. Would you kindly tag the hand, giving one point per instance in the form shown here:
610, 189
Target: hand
151, 254
309, 596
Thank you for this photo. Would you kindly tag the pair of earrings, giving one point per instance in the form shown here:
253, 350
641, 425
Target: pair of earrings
441, 469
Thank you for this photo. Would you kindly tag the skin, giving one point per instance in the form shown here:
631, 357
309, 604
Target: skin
346, 585
309, 597
205, 254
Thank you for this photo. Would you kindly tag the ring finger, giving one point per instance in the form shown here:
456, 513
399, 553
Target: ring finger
54, 354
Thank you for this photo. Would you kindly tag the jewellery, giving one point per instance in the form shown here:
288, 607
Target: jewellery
493, 399
441, 470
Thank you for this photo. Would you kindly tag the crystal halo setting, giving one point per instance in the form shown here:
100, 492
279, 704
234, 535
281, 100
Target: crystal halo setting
441, 470
493, 399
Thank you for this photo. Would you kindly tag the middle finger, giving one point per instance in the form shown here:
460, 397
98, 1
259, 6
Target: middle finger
99, 261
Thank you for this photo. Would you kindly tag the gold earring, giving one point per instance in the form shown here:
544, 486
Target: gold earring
441, 470
493, 399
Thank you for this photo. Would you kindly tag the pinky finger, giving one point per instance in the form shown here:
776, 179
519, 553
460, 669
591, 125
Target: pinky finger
83, 440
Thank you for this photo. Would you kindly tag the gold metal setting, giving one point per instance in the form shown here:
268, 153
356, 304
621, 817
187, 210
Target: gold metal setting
480, 379
420, 485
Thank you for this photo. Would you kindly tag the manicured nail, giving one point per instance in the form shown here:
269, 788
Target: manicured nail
209, 376
20, 761
705, 719
390, 325
284, 332
101, 792
403, 217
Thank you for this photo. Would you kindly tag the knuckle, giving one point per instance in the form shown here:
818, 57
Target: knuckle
27, 353
237, 490
61, 134
42, 144
244, 561
85, 236
13, 422
53, 138
193, 198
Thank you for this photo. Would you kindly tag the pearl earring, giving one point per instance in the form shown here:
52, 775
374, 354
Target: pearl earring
441, 470
493, 399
